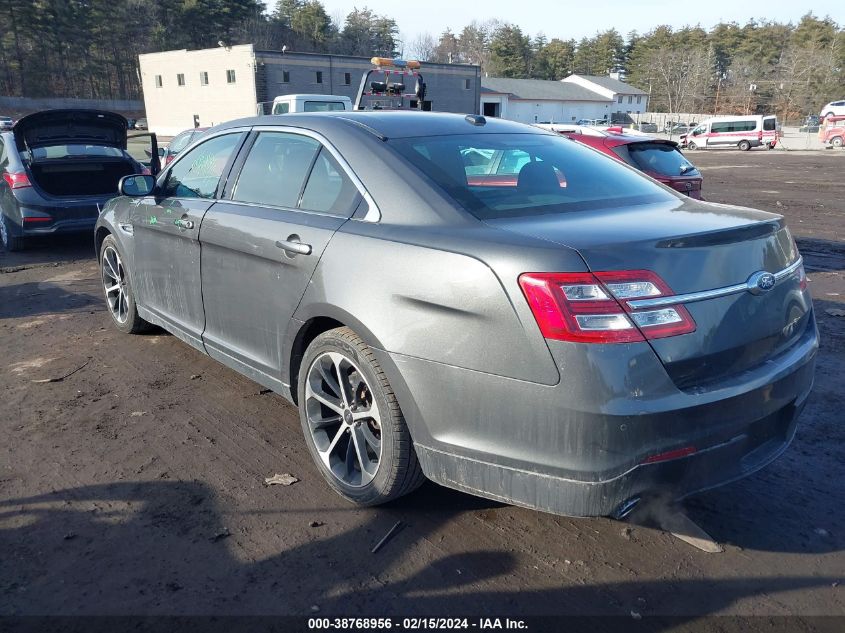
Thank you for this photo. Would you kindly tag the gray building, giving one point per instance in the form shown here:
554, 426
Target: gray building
224, 83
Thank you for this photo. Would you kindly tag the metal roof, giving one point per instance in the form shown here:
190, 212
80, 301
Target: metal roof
540, 89
619, 87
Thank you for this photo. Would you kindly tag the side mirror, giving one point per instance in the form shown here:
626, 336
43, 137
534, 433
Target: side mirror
137, 186
161, 152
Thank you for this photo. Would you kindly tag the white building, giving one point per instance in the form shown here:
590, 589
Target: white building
574, 98
626, 98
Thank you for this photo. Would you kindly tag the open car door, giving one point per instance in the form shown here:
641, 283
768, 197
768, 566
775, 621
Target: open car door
144, 148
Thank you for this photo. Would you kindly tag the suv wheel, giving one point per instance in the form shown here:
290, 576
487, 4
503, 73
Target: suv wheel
744, 146
692, 145
352, 423
836, 141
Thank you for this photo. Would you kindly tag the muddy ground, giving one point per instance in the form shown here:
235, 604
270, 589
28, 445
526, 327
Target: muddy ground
136, 484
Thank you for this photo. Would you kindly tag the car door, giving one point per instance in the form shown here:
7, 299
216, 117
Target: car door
261, 244
166, 236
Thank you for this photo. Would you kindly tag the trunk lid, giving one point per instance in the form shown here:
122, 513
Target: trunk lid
70, 127
696, 247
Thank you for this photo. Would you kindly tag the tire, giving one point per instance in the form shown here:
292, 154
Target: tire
117, 289
11, 243
744, 146
692, 146
836, 141
339, 357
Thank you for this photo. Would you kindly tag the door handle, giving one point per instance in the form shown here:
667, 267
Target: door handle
294, 247
182, 223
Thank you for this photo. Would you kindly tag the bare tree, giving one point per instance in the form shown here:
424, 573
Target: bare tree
682, 75
422, 47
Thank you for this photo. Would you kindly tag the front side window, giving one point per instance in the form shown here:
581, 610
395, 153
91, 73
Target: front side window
534, 174
230, 76
274, 172
180, 142
197, 174
281, 108
769, 124
329, 189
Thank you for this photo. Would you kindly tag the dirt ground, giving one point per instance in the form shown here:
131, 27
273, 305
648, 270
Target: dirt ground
135, 485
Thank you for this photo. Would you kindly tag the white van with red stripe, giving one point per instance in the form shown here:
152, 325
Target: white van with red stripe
743, 132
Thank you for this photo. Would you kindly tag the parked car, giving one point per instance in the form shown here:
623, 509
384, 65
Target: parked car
659, 158
141, 124
834, 108
180, 142
59, 167
571, 341
810, 124
130, 124
649, 128
6, 123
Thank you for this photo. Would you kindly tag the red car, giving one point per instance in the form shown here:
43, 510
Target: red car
659, 158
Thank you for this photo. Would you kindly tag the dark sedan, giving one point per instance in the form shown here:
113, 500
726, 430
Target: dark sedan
58, 168
476, 301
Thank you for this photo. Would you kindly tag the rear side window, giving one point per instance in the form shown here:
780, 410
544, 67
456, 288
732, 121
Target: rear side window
197, 174
733, 126
657, 158
274, 172
329, 189
510, 175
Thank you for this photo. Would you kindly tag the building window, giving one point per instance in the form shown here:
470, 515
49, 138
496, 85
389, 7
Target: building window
203, 78
158, 81
319, 74
347, 78
630, 99
620, 98
230, 76
285, 76
639, 99
180, 79
467, 83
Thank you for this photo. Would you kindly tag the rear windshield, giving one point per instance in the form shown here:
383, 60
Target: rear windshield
75, 151
507, 175
657, 158
322, 106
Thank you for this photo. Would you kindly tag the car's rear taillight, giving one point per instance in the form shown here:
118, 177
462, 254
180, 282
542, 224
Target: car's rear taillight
594, 308
16, 180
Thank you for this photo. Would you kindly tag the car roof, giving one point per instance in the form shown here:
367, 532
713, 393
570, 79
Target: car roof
391, 124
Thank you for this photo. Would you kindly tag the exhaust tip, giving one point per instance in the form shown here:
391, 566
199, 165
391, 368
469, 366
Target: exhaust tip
625, 508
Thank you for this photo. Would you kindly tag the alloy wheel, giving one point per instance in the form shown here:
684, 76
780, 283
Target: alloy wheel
114, 284
343, 419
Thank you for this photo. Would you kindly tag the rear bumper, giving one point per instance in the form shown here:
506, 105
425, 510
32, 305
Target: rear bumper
77, 225
579, 448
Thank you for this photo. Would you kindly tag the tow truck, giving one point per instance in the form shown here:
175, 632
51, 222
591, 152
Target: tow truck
385, 86
832, 131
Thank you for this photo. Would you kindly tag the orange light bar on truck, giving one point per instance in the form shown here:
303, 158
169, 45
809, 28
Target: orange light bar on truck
395, 63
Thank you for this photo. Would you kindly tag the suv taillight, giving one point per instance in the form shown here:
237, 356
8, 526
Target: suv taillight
16, 180
594, 308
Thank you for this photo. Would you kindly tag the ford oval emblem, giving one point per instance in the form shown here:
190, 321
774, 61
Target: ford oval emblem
760, 282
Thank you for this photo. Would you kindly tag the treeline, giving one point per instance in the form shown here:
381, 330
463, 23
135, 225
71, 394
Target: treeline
89, 48
760, 66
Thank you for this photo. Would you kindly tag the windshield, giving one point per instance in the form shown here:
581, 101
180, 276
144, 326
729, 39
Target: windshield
506, 175
658, 158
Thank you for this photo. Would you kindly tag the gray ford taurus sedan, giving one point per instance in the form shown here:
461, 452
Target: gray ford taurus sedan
482, 303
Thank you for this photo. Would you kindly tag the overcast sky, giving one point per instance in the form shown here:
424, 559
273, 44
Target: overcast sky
578, 19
